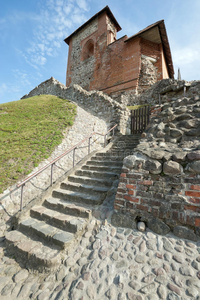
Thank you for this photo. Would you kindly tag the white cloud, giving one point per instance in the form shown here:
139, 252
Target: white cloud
187, 59
68, 8
22, 77
54, 23
3, 89
186, 55
20, 82
82, 4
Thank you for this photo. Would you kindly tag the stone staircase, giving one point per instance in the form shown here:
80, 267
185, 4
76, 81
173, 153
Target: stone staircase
50, 228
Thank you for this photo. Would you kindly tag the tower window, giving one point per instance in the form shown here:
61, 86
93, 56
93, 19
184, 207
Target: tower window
88, 49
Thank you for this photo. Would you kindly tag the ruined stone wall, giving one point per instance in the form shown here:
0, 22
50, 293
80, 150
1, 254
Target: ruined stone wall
96, 103
112, 32
159, 92
84, 124
95, 112
148, 74
160, 183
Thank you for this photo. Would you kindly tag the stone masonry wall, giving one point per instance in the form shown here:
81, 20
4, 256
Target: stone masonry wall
96, 103
81, 71
160, 183
151, 198
148, 74
96, 112
84, 124
159, 92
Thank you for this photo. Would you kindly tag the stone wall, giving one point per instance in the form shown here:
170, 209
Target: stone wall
96, 103
159, 92
148, 74
164, 203
160, 183
95, 112
84, 124
81, 71
166, 89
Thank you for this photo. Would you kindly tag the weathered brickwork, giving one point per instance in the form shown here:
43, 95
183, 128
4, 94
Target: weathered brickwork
160, 182
98, 61
175, 200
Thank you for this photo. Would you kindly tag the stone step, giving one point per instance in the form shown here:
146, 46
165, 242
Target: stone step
59, 220
30, 253
48, 234
125, 144
91, 181
101, 162
102, 168
111, 155
86, 189
77, 197
96, 174
120, 154
131, 137
127, 140
106, 158
124, 148
54, 225
67, 208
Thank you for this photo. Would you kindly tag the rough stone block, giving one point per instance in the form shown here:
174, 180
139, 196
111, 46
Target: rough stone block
172, 168
158, 226
123, 220
185, 233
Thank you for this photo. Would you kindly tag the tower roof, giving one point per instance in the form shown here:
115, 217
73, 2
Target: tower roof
108, 12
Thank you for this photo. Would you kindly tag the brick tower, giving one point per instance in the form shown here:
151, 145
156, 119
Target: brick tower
98, 60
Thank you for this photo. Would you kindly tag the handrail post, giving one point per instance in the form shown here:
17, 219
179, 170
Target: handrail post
21, 199
89, 145
113, 131
52, 163
105, 140
52, 174
74, 157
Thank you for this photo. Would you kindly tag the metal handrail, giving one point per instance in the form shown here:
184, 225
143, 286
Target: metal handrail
52, 163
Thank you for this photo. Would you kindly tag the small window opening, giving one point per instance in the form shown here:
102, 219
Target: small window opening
111, 37
88, 49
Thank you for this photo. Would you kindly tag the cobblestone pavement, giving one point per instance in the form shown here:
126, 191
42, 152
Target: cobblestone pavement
111, 263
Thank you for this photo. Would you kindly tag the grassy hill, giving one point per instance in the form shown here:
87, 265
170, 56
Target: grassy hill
30, 129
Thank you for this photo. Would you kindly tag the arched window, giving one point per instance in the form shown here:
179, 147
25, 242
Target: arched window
88, 49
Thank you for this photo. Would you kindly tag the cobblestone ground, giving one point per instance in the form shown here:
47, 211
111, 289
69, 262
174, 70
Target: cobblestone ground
111, 263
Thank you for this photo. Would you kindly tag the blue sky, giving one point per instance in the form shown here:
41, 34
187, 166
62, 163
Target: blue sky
32, 34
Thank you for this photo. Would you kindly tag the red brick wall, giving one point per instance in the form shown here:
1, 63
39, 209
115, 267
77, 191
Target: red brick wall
153, 50
175, 200
118, 67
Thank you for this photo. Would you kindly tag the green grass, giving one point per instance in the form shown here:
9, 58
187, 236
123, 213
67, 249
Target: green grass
30, 129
